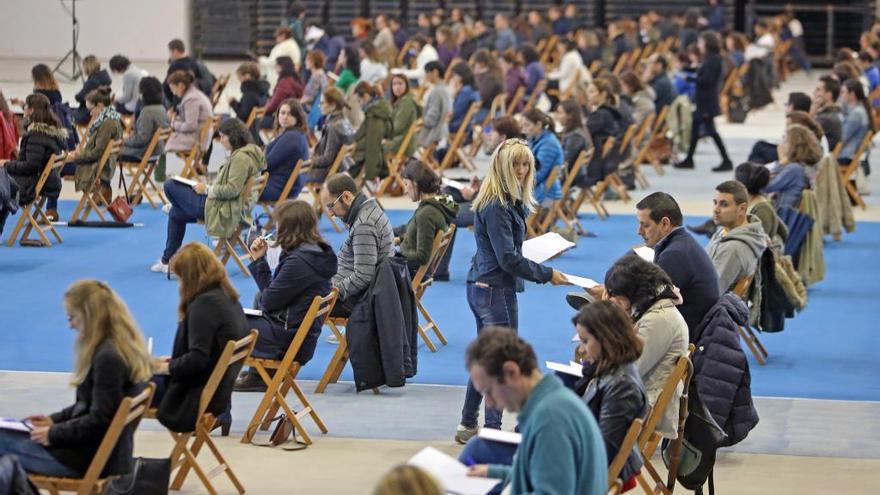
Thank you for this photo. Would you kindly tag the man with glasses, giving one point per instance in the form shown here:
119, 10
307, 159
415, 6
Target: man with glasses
370, 239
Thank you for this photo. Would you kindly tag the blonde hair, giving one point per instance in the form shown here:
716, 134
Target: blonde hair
90, 65
501, 184
197, 268
105, 317
408, 480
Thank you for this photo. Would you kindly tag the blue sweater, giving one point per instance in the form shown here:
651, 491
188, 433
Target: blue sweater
534, 74
281, 157
548, 155
463, 100
562, 450
788, 184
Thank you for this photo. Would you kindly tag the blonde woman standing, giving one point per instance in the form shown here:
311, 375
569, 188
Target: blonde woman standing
501, 207
111, 362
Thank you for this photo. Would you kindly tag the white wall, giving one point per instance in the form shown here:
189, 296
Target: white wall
139, 29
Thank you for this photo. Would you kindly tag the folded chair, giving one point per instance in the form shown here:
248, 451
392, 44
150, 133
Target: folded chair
184, 455
130, 410
227, 248
269, 206
192, 157
515, 101
746, 332
315, 188
91, 199
284, 379
562, 210
848, 172
590, 193
218, 88
141, 173
34, 214
541, 216
623, 453
424, 277
397, 160
657, 131
455, 145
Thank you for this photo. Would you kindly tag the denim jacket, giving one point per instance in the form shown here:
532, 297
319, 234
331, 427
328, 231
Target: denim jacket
499, 231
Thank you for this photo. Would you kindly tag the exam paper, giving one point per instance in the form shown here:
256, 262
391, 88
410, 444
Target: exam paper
14, 425
253, 312
500, 435
586, 283
542, 248
184, 180
571, 368
645, 253
451, 473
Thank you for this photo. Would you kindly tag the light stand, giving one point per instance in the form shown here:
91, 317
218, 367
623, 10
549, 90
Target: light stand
73, 54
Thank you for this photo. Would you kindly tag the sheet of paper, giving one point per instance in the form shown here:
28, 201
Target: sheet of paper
253, 312
542, 248
645, 253
14, 425
184, 180
572, 369
586, 283
273, 256
500, 436
451, 473
452, 183
576, 338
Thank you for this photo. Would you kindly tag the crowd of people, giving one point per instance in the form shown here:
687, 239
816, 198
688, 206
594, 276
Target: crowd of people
566, 91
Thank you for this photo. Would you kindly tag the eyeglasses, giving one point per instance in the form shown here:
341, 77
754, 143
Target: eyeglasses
331, 205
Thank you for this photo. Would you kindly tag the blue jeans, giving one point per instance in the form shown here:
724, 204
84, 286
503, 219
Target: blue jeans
481, 451
492, 306
186, 207
34, 457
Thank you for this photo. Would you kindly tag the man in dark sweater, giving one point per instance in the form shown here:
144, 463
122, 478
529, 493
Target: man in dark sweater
660, 82
826, 111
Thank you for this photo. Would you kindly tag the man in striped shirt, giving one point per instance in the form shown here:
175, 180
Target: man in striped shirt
370, 239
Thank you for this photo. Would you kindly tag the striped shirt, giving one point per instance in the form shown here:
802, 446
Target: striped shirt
369, 242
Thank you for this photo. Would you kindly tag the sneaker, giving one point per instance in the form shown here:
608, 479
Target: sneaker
159, 267
249, 381
166, 208
463, 433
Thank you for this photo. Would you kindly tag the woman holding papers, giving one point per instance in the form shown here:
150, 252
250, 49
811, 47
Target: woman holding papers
111, 363
498, 268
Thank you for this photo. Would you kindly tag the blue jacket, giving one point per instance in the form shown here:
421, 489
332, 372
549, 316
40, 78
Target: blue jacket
562, 450
463, 100
534, 74
499, 232
855, 126
788, 184
281, 157
548, 155
691, 270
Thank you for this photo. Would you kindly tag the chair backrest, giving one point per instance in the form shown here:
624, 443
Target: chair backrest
318, 311
866, 141
627, 136
742, 286
159, 136
624, 450
404, 143
217, 90
552, 176
403, 51
288, 186
344, 150
459, 135
646, 124
608, 146
515, 100
660, 121
595, 66
256, 113
678, 374
130, 409
55, 162
234, 352
614, 487
837, 147
539, 89
253, 188
496, 108
548, 49
621, 63
425, 274
111, 150
572, 172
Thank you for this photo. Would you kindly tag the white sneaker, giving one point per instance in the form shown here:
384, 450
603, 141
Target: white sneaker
166, 208
159, 267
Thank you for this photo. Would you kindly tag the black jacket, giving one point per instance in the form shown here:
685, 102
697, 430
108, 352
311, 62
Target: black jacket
605, 122
286, 295
95, 81
253, 94
709, 81
831, 120
691, 270
212, 319
382, 329
78, 430
38, 144
664, 91
616, 399
721, 370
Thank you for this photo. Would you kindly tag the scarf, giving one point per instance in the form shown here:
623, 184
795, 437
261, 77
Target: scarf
107, 113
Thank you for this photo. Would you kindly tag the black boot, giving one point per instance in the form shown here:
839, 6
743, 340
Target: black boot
707, 228
726, 166
687, 163
249, 381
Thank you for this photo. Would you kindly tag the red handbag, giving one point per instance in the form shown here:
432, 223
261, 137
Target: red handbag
120, 208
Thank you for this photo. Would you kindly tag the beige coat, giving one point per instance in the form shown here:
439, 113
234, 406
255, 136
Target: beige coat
834, 208
665, 334
811, 264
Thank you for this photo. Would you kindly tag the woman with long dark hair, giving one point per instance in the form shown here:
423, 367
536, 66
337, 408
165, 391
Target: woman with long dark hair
290, 145
288, 86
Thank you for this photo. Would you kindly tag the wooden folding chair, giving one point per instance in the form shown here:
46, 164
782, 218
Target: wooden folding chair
217, 89
424, 277
563, 210
396, 161
495, 109
256, 113
89, 201
591, 194
227, 248
515, 101
401, 55
614, 487
623, 453
183, 455
315, 188
539, 89
639, 143
192, 157
612, 179
34, 214
340, 357
548, 50
848, 172
746, 332
284, 379
455, 150
657, 131
130, 410
621, 63
269, 206
649, 438
595, 67
535, 224
141, 173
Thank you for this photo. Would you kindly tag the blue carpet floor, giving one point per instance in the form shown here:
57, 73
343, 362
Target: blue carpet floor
829, 351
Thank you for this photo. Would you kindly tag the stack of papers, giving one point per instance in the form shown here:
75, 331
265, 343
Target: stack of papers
542, 248
500, 436
15, 425
645, 253
586, 283
572, 368
184, 180
451, 473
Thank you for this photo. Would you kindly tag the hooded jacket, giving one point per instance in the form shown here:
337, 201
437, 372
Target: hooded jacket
735, 254
431, 216
831, 120
253, 94
226, 207
377, 125
548, 154
369, 242
38, 144
337, 133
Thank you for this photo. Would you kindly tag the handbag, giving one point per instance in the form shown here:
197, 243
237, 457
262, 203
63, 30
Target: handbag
148, 477
282, 431
120, 208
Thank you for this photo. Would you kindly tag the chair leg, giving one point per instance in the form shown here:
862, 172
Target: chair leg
752, 347
305, 402
430, 321
757, 341
335, 367
18, 226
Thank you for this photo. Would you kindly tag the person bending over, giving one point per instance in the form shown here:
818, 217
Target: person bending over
106, 126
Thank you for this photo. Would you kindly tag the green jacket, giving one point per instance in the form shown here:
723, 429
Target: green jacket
225, 209
406, 112
87, 160
431, 216
346, 79
377, 125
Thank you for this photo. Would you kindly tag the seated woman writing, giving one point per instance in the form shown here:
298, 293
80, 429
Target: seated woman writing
337, 133
304, 270
289, 146
222, 205
111, 363
192, 112
209, 316
106, 126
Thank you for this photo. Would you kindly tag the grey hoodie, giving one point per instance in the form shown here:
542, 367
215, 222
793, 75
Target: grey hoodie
736, 254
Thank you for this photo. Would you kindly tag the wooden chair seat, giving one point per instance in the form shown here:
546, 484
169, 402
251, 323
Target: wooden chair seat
90, 201
33, 216
141, 173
